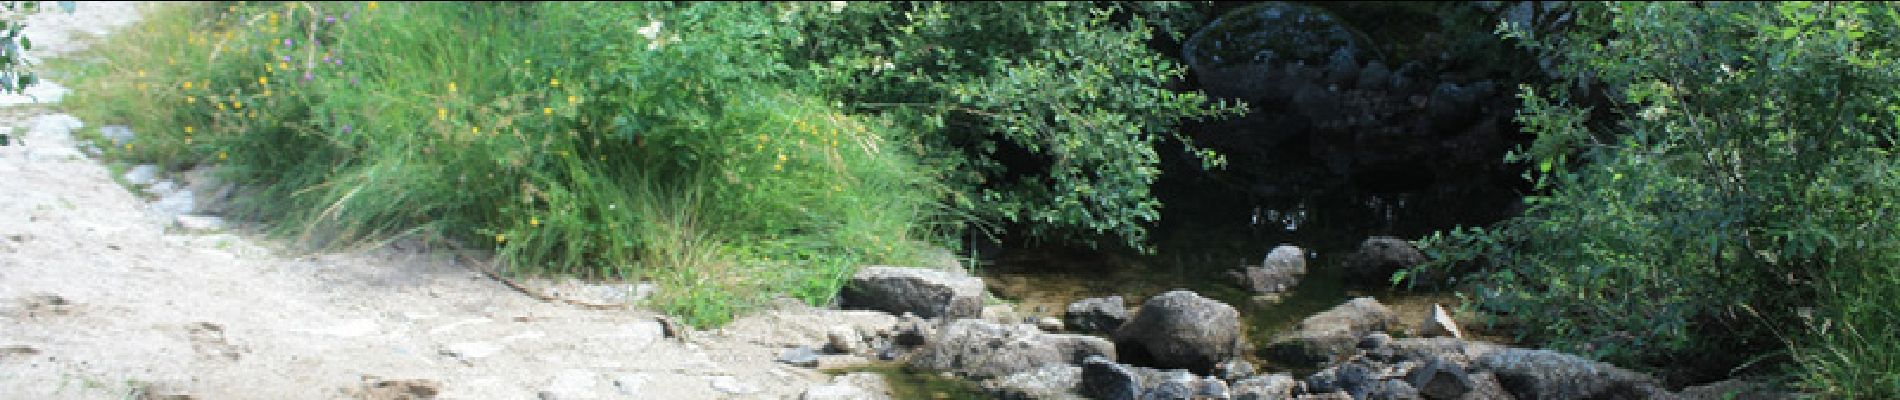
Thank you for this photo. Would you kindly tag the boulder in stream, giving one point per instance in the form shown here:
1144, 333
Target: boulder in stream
1096, 315
982, 350
1181, 329
1378, 257
1279, 272
1331, 334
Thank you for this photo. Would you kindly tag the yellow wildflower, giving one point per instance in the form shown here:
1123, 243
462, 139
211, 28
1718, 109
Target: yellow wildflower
547, 110
781, 157
372, 6
141, 73
778, 167
237, 105
451, 87
555, 82
128, 147
191, 99
266, 92
187, 85
762, 137
263, 80
442, 114
532, 221
188, 130
222, 156
573, 99
498, 237
283, 65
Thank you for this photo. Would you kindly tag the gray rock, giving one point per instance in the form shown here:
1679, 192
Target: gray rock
1181, 329
162, 187
844, 339
1279, 272
1440, 323
1057, 381
1266, 387
801, 356
1234, 370
927, 293
1391, 389
1332, 333
1439, 379
1096, 315
1485, 386
176, 203
1103, 379
118, 134
1378, 257
1545, 374
1177, 386
982, 350
142, 174
1212, 388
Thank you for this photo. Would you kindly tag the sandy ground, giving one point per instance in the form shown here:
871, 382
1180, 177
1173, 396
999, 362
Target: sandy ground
101, 296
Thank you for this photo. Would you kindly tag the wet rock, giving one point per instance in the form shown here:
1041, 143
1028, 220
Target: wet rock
1439, 323
843, 339
1332, 333
1279, 272
1096, 315
1181, 329
1234, 370
142, 174
1378, 257
1103, 379
982, 350
801, 356
1545, 374
1057, 381
1391, 390
1266, 387
925, 292
1212, 388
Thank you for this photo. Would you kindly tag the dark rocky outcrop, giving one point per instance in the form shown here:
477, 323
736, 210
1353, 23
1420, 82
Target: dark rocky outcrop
1545, 374
1378, 257
1103, 379
927, 293
1181, 329
1331, 334
981, 350
1096, 315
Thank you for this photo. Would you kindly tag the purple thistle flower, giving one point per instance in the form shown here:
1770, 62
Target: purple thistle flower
329, 20
346, 15
289, 43
307, 76
286, 58
339, 62
346, 128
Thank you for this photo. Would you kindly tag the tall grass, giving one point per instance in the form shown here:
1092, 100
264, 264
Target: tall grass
498, 125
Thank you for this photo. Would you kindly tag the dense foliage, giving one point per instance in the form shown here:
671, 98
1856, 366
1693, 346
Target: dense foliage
1745, 193
728, 150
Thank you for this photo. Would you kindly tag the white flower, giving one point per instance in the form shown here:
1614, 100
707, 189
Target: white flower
837, 6
652, 30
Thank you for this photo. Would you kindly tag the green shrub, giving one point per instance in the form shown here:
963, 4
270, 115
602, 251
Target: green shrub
1748, 176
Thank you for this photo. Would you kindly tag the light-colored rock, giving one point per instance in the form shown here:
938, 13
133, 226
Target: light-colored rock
1280, 271
1439, 323
1054, 381
571, 384
1266, 387
1332, 333
730, 385
801, 356
980, 350
1049, 324
176, 203
1181, 329
42, 92
925, 292
142, 174
630, 384
118, 134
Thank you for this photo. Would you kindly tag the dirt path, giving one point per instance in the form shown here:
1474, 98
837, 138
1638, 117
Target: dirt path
102, 297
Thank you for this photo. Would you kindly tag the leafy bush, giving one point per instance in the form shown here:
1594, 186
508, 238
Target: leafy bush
1749, 176
1046, 114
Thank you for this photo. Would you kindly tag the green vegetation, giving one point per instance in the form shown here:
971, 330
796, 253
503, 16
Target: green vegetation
728, 151
1744, 197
